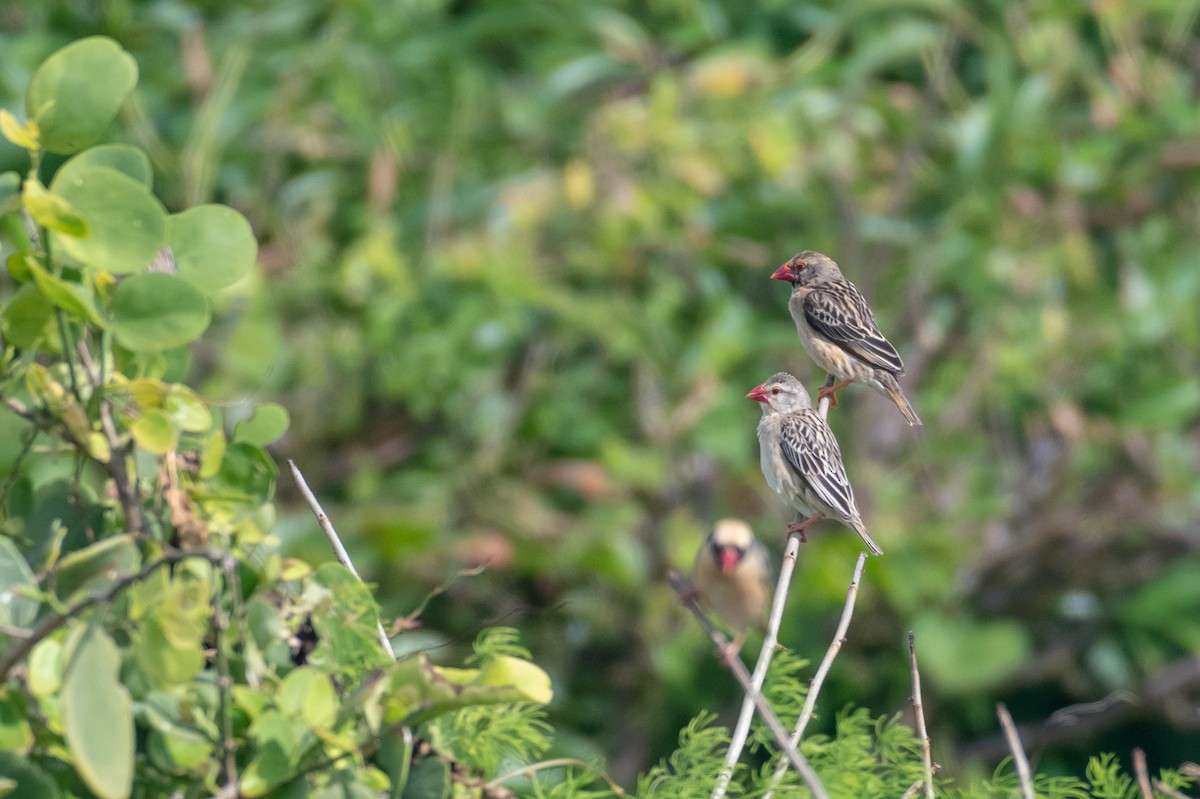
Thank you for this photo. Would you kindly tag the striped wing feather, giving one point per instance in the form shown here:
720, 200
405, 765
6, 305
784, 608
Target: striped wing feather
839, 313
809, 447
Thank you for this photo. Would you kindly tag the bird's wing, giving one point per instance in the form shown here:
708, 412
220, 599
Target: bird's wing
839, 313
809, 447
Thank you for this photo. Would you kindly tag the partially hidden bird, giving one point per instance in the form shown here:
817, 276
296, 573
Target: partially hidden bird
838, 330
801, 460
731, 577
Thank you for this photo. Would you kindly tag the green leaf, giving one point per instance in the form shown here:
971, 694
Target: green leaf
45, 667
188, 411
23, 134
31, 781
308, 693
10, 192
247, 471
163, 662
155, 432
178, 748
16, 610
127, 160
77, 91
28, 318
126, 225
429, 778
269, 422
157, 311
51, 211
15, 732
213, 246
212, 451
277, 741
97, 567
71, 297
97, 714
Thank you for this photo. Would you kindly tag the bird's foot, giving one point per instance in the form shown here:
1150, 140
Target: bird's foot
799, 528
829, 391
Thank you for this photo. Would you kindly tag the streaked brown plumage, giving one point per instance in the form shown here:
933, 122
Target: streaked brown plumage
800, 458
732, 576
838, 330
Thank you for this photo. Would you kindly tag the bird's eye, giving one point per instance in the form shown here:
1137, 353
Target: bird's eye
775, 390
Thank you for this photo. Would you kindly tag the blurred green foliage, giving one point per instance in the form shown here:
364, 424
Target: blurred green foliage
513, 285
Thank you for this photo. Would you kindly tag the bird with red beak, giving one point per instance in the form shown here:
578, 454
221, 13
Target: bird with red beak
731, 577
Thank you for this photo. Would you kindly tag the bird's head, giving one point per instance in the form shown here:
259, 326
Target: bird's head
729, 542
806, 268
782, 393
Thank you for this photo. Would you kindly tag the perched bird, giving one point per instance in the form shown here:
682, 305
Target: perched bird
800, 457
731, 577
839, 332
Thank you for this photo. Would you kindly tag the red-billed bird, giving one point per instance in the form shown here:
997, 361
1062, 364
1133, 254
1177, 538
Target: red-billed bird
731, 576
839, 332
800, 457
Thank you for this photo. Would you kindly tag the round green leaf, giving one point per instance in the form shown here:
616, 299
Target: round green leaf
187, 410
213, 246
98, 716
77, 91
157, 311
15, 733
269, 422
125, 159
155, 432
28, 318
16, 610
126, 225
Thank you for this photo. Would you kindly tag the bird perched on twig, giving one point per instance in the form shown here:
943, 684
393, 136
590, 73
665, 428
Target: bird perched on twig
838, 330
801, 460
731, 576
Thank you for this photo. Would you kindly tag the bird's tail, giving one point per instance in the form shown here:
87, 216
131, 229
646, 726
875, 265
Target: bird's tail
891, 387
861, 529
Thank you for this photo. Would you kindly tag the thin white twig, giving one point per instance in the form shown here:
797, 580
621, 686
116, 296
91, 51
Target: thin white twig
919, 711
814, 685
1142, 773
1163, 788
687, 596
913, 790
336, 542
741, 730
1014, 743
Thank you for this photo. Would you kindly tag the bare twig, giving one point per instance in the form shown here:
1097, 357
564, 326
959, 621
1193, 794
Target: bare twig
913, 790
1142, 773
741, 730
919, 711
1163, 788
1014, 743
558, 762
687, 596
224, 679
336, 542
814, 685
127, 489
56, 619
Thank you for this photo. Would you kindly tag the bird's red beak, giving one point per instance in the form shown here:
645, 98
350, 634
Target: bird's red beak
782, 273
728, 560
758, 394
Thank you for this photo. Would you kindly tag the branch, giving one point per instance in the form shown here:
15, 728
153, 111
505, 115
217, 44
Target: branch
1014, 743
687, 596
814, 685
127, 490
916, 787
742, 729
56, 619
334, 541
224, 680
558, 762
1168, 791
918, 710
1142, 774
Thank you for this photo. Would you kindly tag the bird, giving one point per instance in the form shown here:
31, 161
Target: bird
801, 460
838, 330
731, 577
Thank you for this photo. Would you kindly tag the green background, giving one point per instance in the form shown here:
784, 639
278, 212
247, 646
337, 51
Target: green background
512, 288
